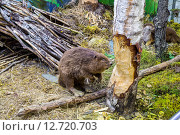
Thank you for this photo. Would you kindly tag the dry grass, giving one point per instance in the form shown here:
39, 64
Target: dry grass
23, 85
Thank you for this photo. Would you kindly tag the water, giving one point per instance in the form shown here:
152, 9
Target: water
48, 5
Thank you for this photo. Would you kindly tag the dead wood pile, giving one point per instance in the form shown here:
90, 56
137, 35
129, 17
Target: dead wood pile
38, 31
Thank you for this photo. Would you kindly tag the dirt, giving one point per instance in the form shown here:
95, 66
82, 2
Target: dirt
23, 85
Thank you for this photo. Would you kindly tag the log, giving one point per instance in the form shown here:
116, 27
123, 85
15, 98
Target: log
158, 67
63, 102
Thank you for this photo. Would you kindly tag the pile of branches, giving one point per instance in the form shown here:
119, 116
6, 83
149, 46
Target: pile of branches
38, 31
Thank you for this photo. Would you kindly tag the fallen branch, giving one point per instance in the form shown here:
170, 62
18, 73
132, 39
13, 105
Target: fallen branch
63, 102
158, 67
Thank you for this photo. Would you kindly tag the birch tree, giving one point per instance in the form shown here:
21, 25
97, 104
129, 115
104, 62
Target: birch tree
128, 26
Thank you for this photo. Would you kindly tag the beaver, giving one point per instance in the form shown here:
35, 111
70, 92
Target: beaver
78, 65
149, 34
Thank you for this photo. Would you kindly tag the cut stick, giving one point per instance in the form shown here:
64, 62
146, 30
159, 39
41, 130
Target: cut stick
15, 59
158, 67
63, 102
15, 10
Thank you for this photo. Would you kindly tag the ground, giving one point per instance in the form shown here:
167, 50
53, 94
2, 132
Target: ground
23, 84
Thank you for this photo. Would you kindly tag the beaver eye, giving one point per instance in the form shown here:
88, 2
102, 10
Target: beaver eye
103, 60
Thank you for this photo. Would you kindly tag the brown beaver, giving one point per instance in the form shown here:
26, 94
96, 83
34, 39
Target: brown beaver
149, 33
79, 64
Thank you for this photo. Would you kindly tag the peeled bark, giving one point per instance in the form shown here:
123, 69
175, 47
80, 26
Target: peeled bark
128, 26
160, 24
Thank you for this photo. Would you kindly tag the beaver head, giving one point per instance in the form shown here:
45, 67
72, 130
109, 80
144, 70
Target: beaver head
99, 63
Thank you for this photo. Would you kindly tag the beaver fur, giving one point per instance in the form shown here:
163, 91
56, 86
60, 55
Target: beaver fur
80, 64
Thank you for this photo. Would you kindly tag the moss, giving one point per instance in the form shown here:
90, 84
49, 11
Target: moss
163, 82
174, 25
108, 15
167, 104
159, 95
174, 48
148, 59
91, 29
175, 64
98, 44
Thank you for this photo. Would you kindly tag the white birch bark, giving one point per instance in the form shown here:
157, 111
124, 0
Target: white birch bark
128, 17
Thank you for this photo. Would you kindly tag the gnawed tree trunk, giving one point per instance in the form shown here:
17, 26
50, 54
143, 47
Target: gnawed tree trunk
160, 24
128, 26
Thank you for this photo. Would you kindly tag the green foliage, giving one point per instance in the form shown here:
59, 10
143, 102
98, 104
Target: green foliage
169, 104
109, 56
54, 2
148, 59
171, 56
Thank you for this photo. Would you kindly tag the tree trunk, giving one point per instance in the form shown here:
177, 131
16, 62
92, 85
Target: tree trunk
128, 26
173, 7
160, 24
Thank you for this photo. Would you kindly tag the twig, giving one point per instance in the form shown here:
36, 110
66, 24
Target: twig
12, 64
15, 59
